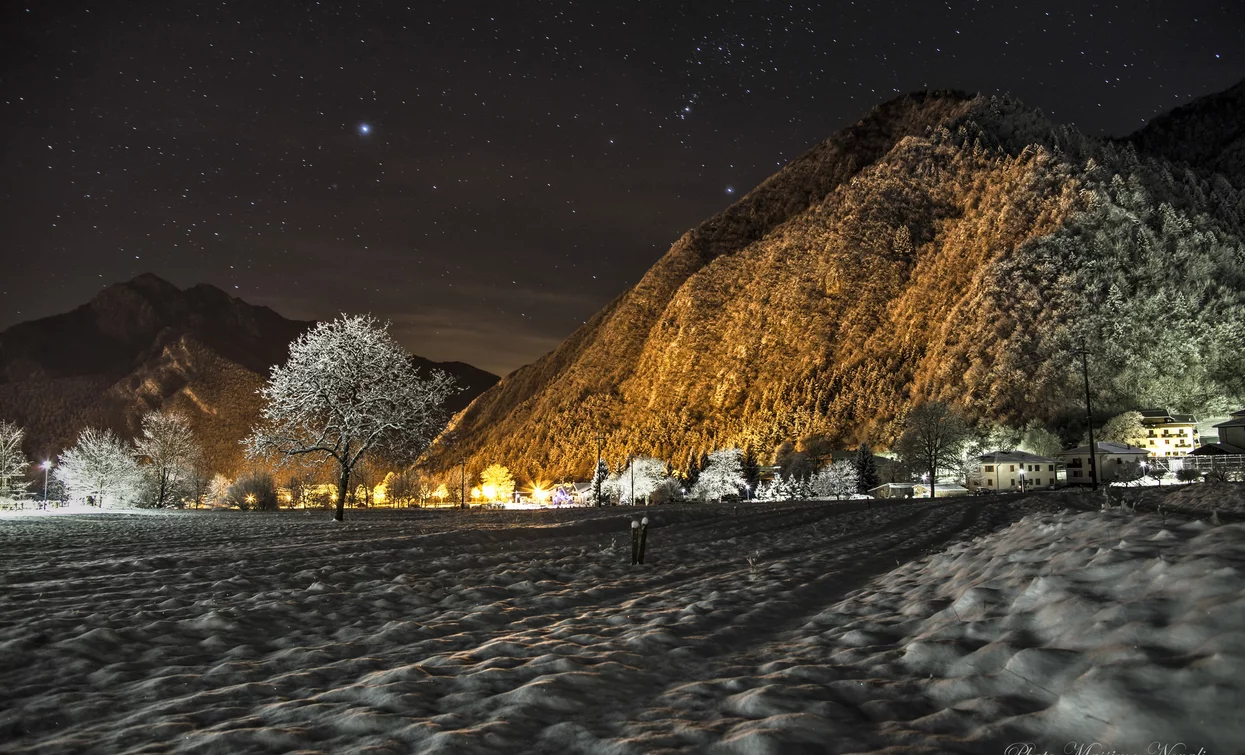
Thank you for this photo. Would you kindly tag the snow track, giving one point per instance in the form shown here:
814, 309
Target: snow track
450, 631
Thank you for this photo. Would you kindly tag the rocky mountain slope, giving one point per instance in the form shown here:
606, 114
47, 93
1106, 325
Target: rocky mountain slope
145, 344
945, 246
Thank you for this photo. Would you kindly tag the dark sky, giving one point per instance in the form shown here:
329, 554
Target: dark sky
488, 175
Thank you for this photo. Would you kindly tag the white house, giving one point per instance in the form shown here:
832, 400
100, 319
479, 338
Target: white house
1015, 471
1117, 461
1168, 434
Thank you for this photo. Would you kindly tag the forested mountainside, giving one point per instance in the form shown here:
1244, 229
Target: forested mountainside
146, 344
945, 246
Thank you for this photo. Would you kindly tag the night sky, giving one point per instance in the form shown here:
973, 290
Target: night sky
488, 175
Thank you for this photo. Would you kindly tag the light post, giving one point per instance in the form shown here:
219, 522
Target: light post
1022, 478
462, 495
45, 466
1089, 420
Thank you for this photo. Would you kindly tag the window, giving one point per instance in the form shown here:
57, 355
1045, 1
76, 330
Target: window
1038, 482
1011, 467
1076, 473
1050, 467
989, 483
989, 467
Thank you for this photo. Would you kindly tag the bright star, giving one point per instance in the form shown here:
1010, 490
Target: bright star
365, 129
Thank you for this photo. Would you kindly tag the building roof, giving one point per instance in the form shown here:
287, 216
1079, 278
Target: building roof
1219, 449
1023, 457
1105, 447
1234, 422
1153, 416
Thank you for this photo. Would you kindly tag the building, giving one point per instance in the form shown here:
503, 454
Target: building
1117, 461
1231, 435
1167, 434
1015, 471
941, 490
917, 490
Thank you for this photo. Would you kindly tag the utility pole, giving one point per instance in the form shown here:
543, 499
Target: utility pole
633, 479
462, 479
596, 472
1089, 421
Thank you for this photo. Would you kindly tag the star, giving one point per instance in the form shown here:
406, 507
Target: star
365, 129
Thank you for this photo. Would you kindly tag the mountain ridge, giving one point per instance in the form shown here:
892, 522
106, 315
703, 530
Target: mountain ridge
921, 205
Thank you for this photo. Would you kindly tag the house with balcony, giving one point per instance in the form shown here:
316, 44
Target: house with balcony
1014, 471
1167, 434
1116, 461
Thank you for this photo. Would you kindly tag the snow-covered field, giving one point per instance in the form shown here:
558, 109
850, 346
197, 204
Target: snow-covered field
756, 628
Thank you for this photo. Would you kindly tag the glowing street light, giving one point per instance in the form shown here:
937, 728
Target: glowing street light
45, 466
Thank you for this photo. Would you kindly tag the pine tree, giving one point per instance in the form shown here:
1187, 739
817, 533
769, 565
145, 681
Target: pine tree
866, 470
598, 483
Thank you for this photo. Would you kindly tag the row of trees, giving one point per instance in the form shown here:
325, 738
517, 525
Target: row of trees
161, 468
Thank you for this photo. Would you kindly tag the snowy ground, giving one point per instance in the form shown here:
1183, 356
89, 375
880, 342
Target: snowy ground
756, 628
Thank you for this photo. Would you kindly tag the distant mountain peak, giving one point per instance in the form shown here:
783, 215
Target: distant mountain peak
145, 344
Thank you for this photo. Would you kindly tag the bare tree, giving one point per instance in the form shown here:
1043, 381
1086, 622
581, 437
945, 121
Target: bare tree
407, 487
932, 437
348, 390
99, 466
13, 462
168, 446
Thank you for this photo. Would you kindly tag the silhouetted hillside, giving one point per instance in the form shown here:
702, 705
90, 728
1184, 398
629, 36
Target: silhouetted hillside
1208, 133
146, 344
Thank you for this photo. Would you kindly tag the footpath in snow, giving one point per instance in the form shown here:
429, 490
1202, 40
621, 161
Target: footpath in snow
962, 626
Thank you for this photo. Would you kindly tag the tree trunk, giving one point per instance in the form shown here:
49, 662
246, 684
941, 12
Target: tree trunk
932, 478
343, 484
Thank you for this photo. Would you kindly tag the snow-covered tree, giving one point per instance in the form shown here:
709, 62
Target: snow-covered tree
100, 466
1122, 428
933, 436
13, 463
218, 491
838, 479
722, 476
349, 390
1038, 440
784, 489
639, 479
496, 483
168, 447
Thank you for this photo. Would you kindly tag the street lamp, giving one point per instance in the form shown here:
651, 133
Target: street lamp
1022, 478
45, 466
